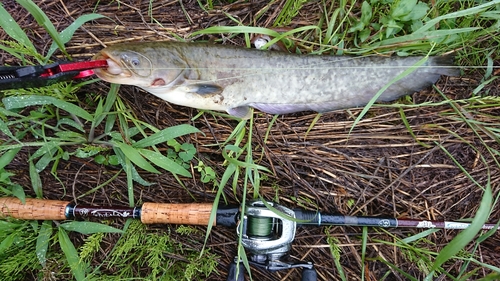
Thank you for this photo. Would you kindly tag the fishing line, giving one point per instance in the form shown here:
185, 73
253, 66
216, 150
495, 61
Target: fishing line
314, 68
323, 65
265, 71
335, 60
260, 226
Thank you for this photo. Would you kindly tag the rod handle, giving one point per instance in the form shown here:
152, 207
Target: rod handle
34, 209
189, 213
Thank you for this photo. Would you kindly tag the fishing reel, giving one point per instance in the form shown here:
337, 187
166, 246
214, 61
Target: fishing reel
267, 236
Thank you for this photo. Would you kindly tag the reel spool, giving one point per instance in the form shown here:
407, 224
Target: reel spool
261, 228
267, 232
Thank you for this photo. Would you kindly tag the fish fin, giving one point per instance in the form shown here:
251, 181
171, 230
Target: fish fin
243, 112
445, 65
204, 89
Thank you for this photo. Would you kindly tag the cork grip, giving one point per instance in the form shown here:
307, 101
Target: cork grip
192, 214
34, 209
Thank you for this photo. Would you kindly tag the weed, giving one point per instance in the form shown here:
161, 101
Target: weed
207, 173
335, 251
91, 246
290, 9
53, 123
140, 248
50, 120
17, 250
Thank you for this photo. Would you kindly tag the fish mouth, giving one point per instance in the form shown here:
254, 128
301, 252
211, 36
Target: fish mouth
114, 69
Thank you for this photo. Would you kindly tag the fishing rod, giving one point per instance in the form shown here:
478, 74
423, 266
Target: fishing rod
267, 229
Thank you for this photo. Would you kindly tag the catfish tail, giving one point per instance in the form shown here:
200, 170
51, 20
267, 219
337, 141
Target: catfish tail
445, 65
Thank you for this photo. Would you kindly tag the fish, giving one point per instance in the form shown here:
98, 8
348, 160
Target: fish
232, 79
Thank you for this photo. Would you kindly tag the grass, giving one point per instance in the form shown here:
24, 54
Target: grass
58, 123
105, 130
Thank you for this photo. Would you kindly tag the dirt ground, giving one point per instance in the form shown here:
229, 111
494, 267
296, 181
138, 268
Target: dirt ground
379, 169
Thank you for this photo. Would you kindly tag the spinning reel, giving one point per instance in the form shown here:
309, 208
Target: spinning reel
267, 236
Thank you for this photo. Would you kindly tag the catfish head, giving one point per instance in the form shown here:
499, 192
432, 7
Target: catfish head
142, 65
162, 69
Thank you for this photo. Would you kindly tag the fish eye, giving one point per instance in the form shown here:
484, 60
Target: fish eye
137, 63
133, 61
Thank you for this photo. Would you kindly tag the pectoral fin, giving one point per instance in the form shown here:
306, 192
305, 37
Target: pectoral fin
204, 89
243, 112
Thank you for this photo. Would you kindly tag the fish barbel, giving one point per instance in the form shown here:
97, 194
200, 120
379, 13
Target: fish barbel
232, 79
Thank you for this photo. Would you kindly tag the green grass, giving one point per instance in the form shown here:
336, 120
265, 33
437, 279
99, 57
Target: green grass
58, 122
408, 28
105, 130
166, 258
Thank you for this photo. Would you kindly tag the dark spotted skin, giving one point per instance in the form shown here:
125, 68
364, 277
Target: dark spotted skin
274, 82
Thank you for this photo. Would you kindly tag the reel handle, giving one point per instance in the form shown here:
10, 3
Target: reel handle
309, 274
236, 271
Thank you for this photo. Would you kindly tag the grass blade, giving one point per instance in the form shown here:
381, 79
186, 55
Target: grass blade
11, 51
461, 13
381, 91
18, 192
7, 157
237, 29
86, 227
68, 32
77, 267
42, 241
7, 242
44, 21
164, 162
419, 235
166, 135
409, 129
24, 101
131, 175
363, 251
491, 277
108, 104
45, 148
225, 178
397, 269
129, 168
135, 157
46, 153
70, 122
36, 182
464, 237
241, 164
433, 36
10, 26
